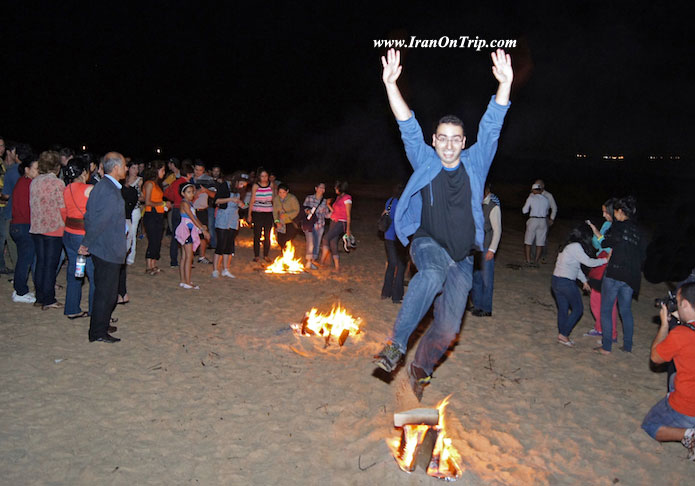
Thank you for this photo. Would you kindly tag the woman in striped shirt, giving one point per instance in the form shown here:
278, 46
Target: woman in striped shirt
261, 214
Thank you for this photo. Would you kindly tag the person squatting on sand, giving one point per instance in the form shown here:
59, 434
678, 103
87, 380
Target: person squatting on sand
673, 417
188, 235
440, 208
573, 253
536, 207
105, 240
596, 273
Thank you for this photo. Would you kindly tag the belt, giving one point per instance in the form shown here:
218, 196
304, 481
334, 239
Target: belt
74, 223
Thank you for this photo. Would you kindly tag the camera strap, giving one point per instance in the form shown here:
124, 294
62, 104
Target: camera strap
688, 325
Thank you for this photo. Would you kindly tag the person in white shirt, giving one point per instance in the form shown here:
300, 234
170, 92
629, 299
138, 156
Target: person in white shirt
536, 207
550, 219
484, 268
574, 253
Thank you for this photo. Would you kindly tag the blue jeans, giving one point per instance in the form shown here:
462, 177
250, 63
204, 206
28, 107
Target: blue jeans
5, 236
395, 271
483, 283
568, 299
48, 250
211, 225
73, 292
441, 277
313, 242
25, 257
612, 290
662, 415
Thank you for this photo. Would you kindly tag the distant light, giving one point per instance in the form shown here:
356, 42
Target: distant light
581, 156
158, 150
84, 148
620, 157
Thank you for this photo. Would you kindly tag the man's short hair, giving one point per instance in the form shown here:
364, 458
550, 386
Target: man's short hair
688, 293
200, 163
284, 187
187, 168
66, 152
111, 162
175, 162
25, 153
451, 120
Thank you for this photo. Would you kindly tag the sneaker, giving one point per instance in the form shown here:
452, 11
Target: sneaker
27, 298
480, 313
688, 441
204, 260
215, 274
227, 273
313, 266
388, 358
592, 333
418, 380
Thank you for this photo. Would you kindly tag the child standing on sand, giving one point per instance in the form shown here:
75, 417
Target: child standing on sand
188, 235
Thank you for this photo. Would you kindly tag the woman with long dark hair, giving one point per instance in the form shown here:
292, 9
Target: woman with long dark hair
623, 276
20, 224
341, 209
573, 253
261, 214
153, 220
596, 273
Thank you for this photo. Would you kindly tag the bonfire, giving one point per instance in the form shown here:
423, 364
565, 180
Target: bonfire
423, 441
286, 263
338, 324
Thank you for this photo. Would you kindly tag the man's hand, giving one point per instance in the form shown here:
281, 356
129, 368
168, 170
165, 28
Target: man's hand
489, 255
501, 67
83, 250
392, 66
663, 314
502, 70
586, 286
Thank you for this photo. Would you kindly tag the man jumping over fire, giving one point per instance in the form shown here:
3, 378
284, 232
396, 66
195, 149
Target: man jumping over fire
440, 212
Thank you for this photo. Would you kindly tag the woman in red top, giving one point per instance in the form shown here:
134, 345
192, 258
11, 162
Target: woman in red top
47, 225
75, 197
340, 223
19, 229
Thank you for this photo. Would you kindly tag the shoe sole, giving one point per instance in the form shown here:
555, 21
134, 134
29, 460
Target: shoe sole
383, 364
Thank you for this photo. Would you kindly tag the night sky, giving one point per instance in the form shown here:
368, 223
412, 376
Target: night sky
296, 86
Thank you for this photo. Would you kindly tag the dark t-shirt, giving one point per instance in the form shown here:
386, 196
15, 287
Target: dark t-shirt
447, 216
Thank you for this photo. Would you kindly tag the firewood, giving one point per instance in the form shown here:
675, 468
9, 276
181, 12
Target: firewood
343, 336
425, 416
423, 455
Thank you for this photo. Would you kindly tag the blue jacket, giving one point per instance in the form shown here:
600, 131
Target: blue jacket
104, 222
426, 164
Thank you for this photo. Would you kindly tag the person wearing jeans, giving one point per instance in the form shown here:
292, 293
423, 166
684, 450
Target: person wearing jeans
396, 256
440, 210
19, 231
623, 275
484, 272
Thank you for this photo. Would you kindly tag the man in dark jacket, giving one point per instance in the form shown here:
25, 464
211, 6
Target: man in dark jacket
624, 272
105, 240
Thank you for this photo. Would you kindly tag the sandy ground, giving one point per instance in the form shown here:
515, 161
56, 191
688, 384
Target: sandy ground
211, 387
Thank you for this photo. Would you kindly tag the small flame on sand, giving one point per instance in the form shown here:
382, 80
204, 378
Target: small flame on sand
244, 224
444, 463
335, 323
286, 263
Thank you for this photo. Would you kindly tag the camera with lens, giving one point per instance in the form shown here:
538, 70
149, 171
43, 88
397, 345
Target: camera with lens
669, 301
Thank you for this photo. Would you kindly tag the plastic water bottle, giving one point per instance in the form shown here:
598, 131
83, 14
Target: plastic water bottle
79, 266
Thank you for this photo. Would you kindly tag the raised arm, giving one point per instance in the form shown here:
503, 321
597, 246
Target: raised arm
392, 70
503, 72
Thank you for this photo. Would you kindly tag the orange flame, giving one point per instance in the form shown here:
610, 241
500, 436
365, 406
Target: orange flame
244, 224
338, 323
286, 263
444, 462
273, 237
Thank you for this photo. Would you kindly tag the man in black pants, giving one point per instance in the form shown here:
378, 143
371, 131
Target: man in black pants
105, 240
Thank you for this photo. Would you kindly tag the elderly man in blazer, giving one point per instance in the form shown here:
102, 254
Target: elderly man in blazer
105, 240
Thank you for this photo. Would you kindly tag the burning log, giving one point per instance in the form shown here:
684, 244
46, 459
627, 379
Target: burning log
338, 324
424, 443
286, 263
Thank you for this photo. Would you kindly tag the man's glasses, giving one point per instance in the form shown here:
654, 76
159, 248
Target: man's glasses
455, 140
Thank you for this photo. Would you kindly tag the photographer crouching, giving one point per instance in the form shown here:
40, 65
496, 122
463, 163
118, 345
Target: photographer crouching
673, 418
